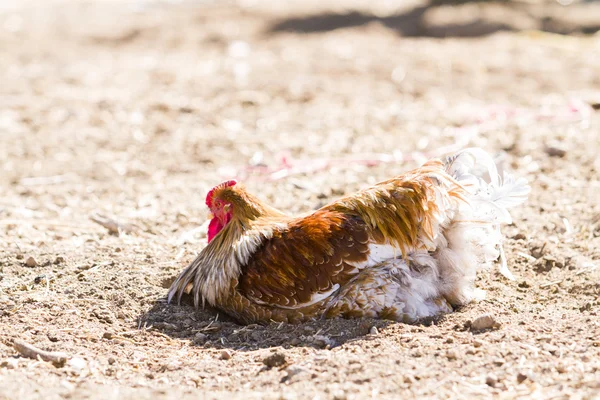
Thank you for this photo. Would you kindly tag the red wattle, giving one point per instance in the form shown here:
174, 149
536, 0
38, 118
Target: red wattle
213, 228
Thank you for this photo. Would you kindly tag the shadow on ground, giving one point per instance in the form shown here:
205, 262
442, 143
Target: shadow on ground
440, 19
211, 329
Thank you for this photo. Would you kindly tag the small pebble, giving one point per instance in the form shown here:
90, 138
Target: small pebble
107, 335
276, 359
417, 353
111, 360
293, 371
78, 364
482, 322
477, 343
30, 262
9, 363
200, 338
59, 260
225, 355
451, 354
491, 380
322, 341
521, 377
374, 330
555, 151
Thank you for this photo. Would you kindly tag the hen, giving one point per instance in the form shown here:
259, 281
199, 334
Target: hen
404, 249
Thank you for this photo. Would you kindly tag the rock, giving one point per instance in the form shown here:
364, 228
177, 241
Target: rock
585, 359
309, 329
292, 372
276, 359
482, 322
374, 331
107, 335
520, 236
111, 360
9, 363
556, 151
200, 338
77, 364
59, 260
30, 262
165, 326
225, 355
491, 380
521, 377
322, 341
451, 354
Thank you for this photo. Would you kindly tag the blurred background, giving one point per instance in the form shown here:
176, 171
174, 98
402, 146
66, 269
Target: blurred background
197, 90
137, 108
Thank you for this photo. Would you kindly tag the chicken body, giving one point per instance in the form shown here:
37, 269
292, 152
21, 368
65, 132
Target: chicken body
404, 249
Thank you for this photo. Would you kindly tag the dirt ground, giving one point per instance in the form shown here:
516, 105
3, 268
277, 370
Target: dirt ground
134, 109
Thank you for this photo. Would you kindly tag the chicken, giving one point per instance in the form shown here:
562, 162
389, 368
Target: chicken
404, 249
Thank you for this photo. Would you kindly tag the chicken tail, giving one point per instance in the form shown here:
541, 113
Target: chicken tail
476, 171
473, 236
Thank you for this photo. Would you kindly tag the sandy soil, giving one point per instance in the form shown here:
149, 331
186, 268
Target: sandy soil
133, 110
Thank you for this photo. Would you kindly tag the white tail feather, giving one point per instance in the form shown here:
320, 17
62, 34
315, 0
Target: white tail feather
490, 197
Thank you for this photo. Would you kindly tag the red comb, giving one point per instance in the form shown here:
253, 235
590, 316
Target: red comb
211, 192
